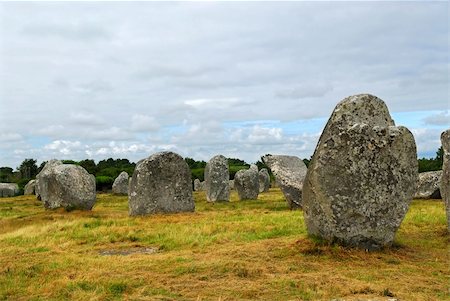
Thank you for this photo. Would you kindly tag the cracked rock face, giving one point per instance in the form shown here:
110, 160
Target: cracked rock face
445, 180
120, 185
68, 186
246, 183
161, 184
264, 180
362, 176
289, 172
217, 178
428, 185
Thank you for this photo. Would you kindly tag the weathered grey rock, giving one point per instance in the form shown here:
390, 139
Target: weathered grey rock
68, 186
362, 176
445, 179
120, 185
30, 188
8, 190
217, 179
197, 185
231, 184
161, 184
246, 183
428, 185
264, 180
289, 172
47, 167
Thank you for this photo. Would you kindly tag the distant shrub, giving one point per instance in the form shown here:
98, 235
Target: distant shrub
198, 173
103, 183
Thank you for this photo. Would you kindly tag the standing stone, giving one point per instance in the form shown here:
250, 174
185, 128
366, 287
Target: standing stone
161, 184
120, 185
289, 172
231, 184
68, 186
197, 185
445, 179
217, 179
264, 180
428, 185
8, 190
362, 176
30, 188
246, 183
47, 167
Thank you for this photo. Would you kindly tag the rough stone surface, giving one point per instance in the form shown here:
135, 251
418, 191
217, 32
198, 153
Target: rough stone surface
217, 178
8, 190
197, 185
120, 185
264, 180
246, 183
290, 173
428, 185
445, 179
30, 188
46, 168
161, 184
362, 176
68, 186
231, 184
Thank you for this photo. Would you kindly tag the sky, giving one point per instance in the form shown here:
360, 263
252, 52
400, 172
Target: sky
95, 80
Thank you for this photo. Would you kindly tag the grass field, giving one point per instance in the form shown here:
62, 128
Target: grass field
236, 251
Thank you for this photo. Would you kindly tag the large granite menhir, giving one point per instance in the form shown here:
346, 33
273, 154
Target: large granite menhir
289, 172
161, 184
66, 185
445, 179
217, 179
362, 176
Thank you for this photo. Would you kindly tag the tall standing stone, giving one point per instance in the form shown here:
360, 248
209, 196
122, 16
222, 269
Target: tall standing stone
46, 168
246, 183
264, 180
445, 179
217, 179
362, 176
161, 184
120, 185
30, 188
428, 185
68, 186
289, 172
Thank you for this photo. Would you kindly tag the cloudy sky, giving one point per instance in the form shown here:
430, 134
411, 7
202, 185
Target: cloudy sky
125, 80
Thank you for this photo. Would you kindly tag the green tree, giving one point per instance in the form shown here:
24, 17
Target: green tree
28, 169
6, 174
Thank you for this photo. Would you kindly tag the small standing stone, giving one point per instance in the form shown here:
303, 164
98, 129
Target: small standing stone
120, 185
445, 179
217, 179
8, 190
30, 188
161, 184
428, 185
246, 183
197, 185
264, 180
231, 184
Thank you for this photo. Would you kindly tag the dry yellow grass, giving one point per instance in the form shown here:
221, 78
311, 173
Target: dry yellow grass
236, 251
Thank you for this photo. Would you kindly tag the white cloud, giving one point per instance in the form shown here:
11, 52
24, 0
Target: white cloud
442, 118
144, 123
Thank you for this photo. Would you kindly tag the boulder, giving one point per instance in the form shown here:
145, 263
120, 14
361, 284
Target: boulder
30, 188
68, 186
246, 183
362, 176
445, 179
217, 179
47, 167
161, 184
197, 185
289, 172
264, 180
120, 185
428, 185
231, 184
8, 190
